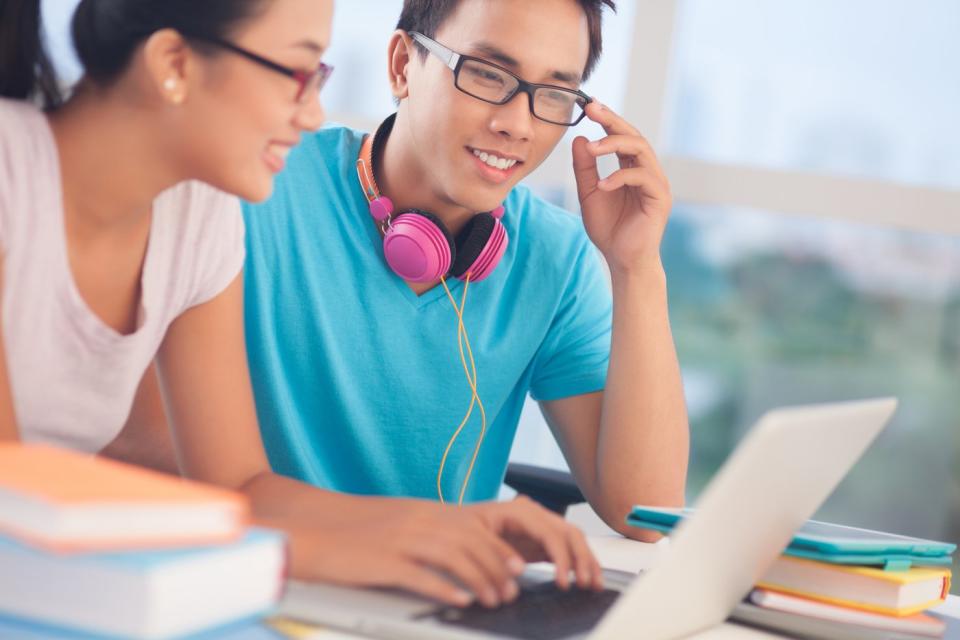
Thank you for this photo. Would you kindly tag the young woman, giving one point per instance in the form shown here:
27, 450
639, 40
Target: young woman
121, 244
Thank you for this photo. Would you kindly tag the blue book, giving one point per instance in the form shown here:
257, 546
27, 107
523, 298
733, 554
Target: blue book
146, 594
26, 630
827, 542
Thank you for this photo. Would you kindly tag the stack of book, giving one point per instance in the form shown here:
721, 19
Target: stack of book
857, 595
839, 582
93, 546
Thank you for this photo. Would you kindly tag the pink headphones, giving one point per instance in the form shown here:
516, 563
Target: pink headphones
417, 245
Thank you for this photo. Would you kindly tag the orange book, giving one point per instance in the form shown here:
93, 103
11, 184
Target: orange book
69, 501
896, 593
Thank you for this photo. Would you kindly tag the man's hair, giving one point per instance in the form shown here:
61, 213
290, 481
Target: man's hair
426, 17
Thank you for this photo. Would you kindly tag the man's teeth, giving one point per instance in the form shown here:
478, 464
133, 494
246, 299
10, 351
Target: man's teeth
281, 151
497, 163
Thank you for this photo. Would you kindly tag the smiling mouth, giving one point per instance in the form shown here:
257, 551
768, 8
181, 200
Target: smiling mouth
494, 161
275, 155
491, 160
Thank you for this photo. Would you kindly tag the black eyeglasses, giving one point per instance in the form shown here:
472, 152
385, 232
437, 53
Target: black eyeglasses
494, 84
311, 82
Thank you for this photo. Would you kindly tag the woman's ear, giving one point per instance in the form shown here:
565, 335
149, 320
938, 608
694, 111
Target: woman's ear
167, 59
400, 52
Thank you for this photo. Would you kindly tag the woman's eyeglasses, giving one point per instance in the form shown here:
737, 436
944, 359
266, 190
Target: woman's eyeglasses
311, 82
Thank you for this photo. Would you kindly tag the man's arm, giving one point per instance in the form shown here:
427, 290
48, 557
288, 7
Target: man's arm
145, 439
628, 444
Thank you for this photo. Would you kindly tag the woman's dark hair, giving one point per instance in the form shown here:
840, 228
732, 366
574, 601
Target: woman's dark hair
105, 35
25, 69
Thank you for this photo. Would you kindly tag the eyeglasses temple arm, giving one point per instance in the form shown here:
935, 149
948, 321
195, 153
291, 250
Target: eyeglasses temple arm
449, 58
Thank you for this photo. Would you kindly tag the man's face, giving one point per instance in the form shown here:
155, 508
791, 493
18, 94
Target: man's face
541, 41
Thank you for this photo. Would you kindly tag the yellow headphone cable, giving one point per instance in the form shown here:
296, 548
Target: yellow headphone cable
471, 373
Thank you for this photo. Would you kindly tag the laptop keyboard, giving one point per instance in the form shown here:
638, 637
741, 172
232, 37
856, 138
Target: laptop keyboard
541, 612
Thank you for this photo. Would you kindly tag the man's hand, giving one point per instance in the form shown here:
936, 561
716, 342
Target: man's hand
541, 535
625, 214
456, 555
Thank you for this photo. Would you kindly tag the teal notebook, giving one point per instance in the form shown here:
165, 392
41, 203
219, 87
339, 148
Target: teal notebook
826, 542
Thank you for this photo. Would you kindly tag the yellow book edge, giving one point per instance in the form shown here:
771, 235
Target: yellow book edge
915, 574
862, 606
294, 629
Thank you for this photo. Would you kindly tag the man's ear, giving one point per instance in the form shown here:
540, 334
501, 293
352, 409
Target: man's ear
167, 59
400, 54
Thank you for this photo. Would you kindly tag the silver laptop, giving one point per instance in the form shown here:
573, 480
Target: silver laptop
778, 476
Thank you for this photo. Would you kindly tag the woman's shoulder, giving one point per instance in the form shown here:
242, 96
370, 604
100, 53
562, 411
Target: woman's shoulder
198, 212
12, 111
23, 127
197, 242
29, 169
25, 136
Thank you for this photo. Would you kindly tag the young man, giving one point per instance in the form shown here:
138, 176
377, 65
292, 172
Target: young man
359, 372
456, 555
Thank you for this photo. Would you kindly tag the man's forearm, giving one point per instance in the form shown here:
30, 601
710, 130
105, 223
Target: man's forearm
643, 444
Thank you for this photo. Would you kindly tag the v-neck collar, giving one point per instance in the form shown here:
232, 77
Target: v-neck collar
84, 315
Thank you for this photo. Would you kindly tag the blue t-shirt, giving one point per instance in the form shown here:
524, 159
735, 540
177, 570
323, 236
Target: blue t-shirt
358, 381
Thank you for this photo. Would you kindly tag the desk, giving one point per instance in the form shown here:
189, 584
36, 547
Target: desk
616, 552
724, 631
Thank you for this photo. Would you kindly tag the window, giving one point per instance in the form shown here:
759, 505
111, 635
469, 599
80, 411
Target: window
858, 87
772, 310
814, 251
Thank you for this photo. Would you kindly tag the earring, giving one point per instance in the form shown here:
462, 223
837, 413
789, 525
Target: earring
170, 85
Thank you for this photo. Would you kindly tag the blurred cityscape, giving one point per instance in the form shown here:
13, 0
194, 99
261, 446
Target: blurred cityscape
770, 309
822, 320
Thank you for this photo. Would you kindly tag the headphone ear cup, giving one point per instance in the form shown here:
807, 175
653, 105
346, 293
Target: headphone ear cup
481, 247
442, 228
470, 242
418, 246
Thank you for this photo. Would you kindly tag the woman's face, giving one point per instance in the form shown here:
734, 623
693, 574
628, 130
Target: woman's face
240, 119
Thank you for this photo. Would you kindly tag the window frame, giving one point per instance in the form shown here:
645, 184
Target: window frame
815, 194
